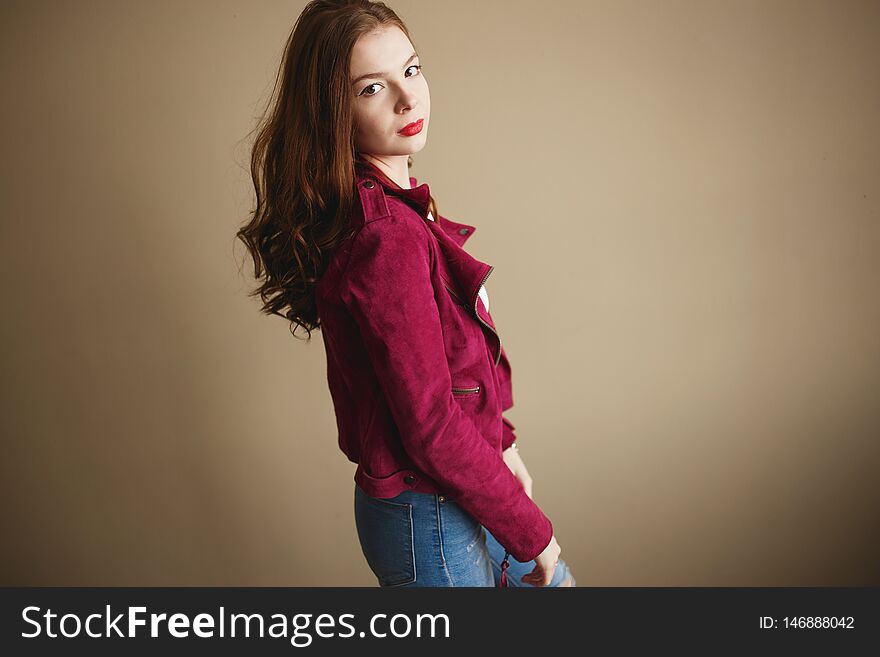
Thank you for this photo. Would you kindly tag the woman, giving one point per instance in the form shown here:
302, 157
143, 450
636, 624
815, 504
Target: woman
345, 240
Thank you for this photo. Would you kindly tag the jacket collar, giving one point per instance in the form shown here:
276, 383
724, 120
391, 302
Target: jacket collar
418, 197
468, 272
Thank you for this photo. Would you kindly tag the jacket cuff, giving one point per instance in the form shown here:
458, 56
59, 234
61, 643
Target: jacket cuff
508, 437
535, 542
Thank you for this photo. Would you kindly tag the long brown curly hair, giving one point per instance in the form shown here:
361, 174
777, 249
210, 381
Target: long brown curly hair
303, 158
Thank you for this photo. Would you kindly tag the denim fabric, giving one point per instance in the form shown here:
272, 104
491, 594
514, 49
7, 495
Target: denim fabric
426, 539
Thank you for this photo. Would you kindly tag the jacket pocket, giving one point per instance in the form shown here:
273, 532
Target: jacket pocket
465, 391
385, 530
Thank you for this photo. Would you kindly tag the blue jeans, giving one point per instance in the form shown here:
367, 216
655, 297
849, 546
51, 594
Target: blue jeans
426, 539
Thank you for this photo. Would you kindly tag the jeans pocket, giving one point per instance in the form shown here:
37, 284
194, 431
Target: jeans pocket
385, 530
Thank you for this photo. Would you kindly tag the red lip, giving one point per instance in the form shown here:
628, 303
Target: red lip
413, 128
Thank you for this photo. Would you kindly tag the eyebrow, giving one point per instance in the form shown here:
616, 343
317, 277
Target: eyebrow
379, 75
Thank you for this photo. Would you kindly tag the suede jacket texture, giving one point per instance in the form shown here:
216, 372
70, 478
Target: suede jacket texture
415, 366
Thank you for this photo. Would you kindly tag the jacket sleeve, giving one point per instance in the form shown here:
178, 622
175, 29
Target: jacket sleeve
388, 291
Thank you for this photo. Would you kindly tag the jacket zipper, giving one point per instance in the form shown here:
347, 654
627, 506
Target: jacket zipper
465, 390
458, 298
505, 564
476, 312
453, 293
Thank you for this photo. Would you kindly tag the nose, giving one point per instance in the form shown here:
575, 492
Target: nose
406, 101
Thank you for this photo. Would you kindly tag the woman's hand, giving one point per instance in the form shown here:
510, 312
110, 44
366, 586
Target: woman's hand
545, 565
518, 468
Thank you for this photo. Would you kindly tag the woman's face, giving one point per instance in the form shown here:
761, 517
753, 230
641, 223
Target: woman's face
393, 94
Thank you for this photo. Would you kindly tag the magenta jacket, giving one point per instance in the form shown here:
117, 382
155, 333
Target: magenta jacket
417, 374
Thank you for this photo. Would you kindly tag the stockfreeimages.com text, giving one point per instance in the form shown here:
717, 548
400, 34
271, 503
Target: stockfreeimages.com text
204, 625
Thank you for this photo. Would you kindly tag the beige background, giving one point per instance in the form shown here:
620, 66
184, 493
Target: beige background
681, 202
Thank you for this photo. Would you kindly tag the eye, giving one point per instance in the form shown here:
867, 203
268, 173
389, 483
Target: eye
363, 92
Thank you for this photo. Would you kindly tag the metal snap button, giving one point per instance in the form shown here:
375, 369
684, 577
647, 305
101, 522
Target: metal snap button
463, 231
409, 479
369, 184
441, 499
